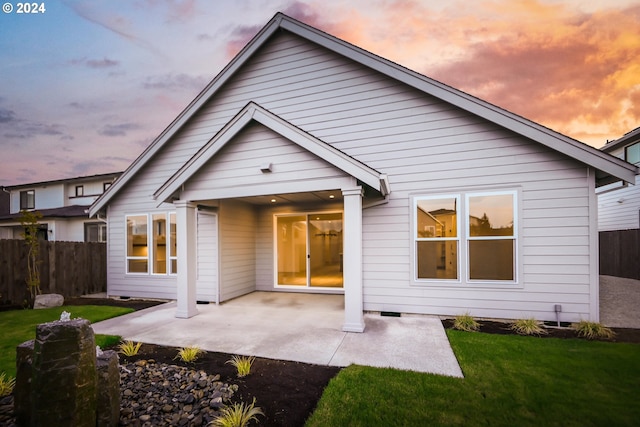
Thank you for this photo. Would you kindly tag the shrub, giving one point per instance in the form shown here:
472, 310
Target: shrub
591, 330
465, 322
242, 364
238, 415
528, 327
6, 385
129, 348
188, 354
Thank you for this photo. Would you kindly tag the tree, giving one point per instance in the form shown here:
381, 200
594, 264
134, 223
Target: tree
29, 221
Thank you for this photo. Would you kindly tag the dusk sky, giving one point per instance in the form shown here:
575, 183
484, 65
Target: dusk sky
86, 85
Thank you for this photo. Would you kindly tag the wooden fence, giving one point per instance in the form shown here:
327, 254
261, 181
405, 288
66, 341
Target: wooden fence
67, 268
620, 253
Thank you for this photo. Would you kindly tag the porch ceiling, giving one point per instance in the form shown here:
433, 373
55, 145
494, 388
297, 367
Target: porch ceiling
295, 198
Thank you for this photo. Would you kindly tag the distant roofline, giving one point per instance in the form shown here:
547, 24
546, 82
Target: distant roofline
630, 136
58, 181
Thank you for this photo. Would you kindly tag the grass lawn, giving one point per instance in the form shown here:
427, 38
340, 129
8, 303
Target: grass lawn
19, 326
509, 381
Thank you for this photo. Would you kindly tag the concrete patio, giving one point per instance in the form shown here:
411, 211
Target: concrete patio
297, 327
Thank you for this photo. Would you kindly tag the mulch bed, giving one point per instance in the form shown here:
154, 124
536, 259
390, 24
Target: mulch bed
288, 392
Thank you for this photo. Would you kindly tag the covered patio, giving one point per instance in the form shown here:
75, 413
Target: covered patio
297, 327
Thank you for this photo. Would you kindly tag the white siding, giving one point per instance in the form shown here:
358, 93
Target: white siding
237, 249
620, 209
424, 146
207, 253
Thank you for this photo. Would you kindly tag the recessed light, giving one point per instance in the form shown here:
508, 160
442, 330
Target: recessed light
331, 196
273, 200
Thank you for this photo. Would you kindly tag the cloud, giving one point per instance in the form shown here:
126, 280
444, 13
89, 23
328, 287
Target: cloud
96, 63
120, 129
575, 76
175, 81
6, 116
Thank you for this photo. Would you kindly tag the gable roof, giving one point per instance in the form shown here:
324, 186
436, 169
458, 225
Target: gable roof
608, 167
628, 138
254, 112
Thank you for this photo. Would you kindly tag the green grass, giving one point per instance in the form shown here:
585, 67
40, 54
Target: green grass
19, 326
509, 381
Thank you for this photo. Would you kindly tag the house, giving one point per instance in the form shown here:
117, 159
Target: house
64, 206
619, 203
310, 165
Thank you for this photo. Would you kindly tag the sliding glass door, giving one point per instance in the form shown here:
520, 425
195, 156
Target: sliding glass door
309, 250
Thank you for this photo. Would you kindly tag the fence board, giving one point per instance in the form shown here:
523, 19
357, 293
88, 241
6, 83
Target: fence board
68, 268
620, 253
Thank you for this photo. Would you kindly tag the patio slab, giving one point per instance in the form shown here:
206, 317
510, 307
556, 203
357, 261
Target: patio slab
297, 327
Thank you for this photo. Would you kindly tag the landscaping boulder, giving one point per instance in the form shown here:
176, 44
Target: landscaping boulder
64, 377
108, 404
48, 300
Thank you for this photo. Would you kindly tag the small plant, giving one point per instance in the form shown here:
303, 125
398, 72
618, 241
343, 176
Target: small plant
242, 364
6, 385
592, 330
129, 348
188, 354
465, 322
529, 326
238, 415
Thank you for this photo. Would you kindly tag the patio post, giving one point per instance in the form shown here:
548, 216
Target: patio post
352, 260
187, 264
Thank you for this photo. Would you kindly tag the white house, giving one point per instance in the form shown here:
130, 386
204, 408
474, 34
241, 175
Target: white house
619, 203
64, 206
311, 165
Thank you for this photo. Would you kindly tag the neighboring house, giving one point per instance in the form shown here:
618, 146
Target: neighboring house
619, 203
311, 165
64, 206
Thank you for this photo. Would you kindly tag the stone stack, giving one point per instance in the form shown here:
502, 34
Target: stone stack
57, 380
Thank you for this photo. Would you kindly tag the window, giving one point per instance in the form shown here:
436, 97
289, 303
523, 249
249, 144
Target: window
437, 237
151, 246
137, 244
632, 153
27, 199
95, 232
79, 190
484, 245
105, 186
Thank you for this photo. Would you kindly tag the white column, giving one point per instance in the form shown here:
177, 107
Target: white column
352, 260
187, 264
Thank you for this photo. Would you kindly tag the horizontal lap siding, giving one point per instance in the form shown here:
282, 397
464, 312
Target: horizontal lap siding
238, 224
620, 209
424, 146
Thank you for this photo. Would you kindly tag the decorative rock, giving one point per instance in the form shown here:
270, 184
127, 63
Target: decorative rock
22, 389
64, 379
108, 397
48, 300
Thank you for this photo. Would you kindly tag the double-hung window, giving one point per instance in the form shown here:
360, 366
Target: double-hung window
151, 243
466, 237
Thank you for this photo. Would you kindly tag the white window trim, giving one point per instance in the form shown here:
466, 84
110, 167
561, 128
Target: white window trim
150, 247
463, 240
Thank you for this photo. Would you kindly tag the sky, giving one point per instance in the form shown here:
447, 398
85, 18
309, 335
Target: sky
87, 85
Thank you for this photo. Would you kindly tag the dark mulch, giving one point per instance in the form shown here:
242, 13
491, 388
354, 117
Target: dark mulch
287, 392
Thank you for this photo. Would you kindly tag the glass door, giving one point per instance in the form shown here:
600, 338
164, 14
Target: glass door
292, 250
309, 250
325, 250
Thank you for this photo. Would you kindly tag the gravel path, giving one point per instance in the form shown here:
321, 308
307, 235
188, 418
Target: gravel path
619, 302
